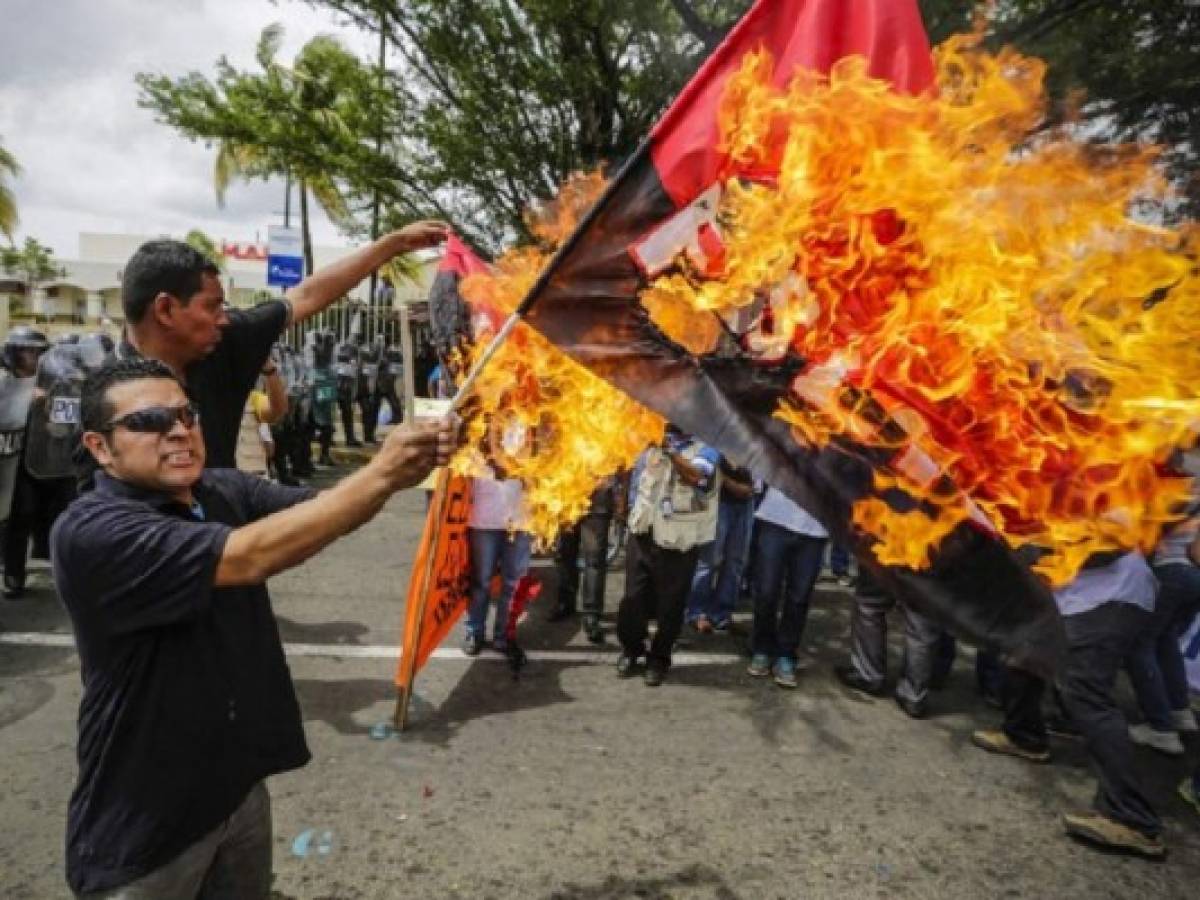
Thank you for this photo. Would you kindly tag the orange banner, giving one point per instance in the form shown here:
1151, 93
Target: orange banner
439, 587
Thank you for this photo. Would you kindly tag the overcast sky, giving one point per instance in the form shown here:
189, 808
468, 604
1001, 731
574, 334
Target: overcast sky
91, 159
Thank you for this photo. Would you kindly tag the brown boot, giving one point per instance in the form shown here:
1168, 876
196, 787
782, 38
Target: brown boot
999, 742
1113, 835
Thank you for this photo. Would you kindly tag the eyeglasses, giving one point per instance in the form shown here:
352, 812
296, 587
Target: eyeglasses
157, 419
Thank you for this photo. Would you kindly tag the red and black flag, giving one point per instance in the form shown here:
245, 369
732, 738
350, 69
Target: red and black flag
587, 303
449, 314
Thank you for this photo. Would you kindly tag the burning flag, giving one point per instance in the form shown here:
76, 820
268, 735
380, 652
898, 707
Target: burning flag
733, 371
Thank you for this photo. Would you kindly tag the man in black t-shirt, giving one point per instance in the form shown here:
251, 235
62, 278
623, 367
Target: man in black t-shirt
187, 703
175, 311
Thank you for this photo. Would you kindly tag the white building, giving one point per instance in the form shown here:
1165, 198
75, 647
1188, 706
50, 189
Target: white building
88, 296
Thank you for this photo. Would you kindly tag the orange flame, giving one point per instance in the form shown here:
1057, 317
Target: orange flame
976, 298
542, 416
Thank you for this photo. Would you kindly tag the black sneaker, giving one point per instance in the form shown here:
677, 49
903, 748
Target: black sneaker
654, 676
593, 632
912, 708
848, 675
472, 644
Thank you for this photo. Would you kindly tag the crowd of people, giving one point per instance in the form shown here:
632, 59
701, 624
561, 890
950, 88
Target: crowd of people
298, 394
702, 533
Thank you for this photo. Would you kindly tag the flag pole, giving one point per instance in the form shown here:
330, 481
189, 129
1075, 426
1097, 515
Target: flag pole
543, 278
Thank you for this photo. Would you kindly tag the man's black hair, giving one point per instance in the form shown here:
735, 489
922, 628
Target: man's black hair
95, 411
162, 267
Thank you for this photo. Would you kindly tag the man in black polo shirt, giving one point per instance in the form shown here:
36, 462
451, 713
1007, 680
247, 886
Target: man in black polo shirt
187, 701
175, 312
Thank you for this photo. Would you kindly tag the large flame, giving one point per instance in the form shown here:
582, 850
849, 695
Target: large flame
975, 297
540, 415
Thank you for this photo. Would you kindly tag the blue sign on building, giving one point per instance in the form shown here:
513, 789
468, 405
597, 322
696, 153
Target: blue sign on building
285, 259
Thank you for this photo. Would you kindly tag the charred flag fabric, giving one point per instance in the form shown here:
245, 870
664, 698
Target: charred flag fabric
662, 208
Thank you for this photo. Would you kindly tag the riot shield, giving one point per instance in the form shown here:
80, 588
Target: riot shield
54, 413
16, 394
324, 396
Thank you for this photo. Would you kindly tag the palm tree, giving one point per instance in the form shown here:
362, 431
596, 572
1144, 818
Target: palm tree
198, 240
8, 201
308, 88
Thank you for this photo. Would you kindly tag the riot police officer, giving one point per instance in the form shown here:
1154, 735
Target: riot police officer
285, 432
391, 371
364, 393
23, 348
45, 477
323, 391
300, 415
18, 368
16, 395
348, 367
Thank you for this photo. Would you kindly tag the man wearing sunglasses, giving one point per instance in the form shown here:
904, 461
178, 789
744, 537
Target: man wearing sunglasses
187, 701
175, 311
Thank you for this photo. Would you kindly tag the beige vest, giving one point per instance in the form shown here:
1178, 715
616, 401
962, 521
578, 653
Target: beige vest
677, 516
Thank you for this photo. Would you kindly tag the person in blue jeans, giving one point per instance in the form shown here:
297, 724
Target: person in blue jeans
1155, 667
789, 548
719, 570
495, 540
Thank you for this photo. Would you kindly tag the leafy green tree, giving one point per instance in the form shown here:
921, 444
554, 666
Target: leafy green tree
8, 201
1133, 63
498, 101
310, 121
33, 264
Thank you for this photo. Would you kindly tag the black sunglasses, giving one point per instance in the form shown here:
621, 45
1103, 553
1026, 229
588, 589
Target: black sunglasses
157, 419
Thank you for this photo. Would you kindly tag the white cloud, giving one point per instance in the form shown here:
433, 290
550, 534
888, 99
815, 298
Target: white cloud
91, 159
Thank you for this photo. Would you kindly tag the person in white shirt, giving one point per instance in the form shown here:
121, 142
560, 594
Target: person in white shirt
788, 550
496, 539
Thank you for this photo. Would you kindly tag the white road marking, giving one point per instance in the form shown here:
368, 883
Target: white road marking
582, 656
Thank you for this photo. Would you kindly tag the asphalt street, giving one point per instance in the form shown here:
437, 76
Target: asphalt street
571, 783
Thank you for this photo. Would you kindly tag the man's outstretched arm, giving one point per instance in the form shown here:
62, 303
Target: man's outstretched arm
255, 552
324, 287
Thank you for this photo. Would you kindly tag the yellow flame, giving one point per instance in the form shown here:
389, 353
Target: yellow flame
983, 285
545, 418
